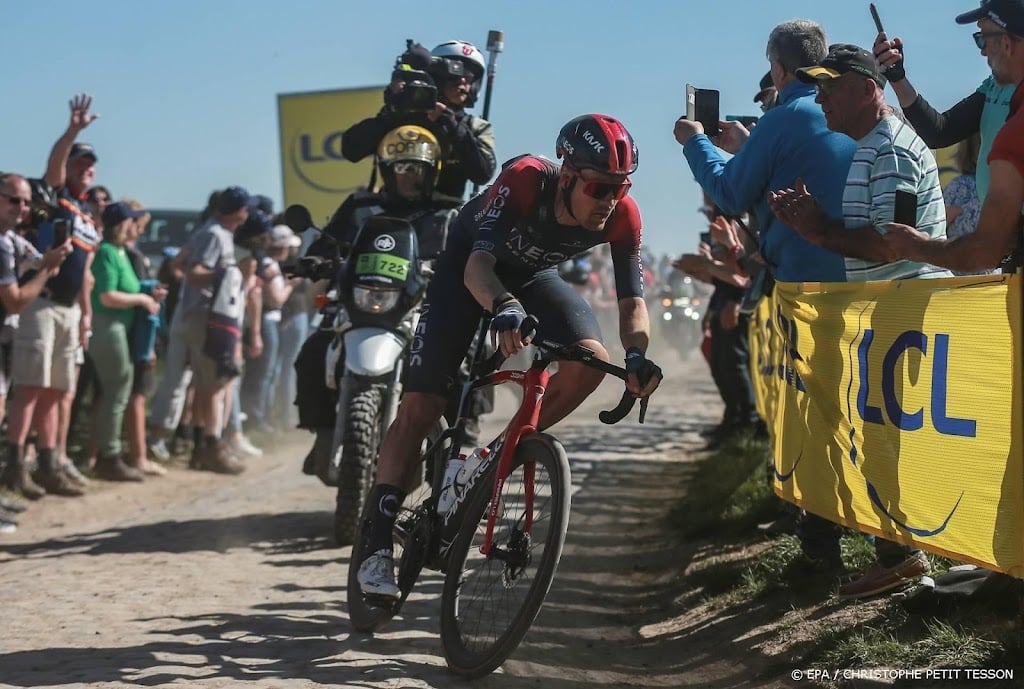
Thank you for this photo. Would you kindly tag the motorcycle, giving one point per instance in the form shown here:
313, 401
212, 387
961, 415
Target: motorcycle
369, 319
680, 317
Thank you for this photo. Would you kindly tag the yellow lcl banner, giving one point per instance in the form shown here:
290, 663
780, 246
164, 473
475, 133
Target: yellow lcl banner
311, 124
895, 408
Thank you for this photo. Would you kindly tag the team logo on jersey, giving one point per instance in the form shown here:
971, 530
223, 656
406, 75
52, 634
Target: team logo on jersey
385, 242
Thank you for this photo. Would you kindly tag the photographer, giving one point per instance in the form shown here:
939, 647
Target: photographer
15, 197
433, 90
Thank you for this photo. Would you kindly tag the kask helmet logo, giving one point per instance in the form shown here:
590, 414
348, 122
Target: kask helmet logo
467, 50
385, 242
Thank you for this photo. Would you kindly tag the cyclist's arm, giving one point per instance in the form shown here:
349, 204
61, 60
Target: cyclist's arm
481, 280
634, 323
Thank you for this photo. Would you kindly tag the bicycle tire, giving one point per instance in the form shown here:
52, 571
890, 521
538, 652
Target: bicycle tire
474, 632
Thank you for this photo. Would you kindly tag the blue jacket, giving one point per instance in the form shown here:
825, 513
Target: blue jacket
790, 141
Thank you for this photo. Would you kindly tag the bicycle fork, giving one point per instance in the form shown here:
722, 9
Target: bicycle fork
533, 382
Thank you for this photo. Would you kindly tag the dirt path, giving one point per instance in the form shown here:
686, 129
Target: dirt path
202, 580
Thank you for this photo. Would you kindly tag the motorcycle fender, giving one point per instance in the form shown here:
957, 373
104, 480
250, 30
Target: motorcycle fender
372, 352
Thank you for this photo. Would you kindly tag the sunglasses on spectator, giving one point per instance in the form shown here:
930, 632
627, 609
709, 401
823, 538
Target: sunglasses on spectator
981, 37
603, 190
17, 200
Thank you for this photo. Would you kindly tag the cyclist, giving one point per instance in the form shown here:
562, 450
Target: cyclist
502, 256
410, 160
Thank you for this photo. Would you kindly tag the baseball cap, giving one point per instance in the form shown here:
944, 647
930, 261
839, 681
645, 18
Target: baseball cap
1008, 14
843, 58
116, 213
766, 85
233, 199
282, 236
81, 150
262, 203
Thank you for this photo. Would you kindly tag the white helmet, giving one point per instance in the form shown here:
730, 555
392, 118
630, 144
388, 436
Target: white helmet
470, 57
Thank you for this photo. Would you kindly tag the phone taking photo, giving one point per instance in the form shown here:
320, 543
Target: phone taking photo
702, 106
905, 211
874, 15
60, 231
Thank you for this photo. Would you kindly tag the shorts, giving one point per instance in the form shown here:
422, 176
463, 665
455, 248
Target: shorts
45, 346
192, 330
450, 317
144, 379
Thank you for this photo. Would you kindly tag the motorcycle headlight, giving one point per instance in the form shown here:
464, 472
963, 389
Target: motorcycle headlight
375, 300
666, 316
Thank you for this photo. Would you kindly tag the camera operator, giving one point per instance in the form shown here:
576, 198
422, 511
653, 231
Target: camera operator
433, 90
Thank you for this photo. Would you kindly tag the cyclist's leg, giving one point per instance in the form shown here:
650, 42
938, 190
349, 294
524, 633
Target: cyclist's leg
447, 322
564, 317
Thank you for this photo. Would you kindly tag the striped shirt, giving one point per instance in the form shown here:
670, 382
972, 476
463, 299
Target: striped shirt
890, 157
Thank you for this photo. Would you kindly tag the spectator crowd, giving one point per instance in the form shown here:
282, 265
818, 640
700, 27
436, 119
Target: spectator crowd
88, 324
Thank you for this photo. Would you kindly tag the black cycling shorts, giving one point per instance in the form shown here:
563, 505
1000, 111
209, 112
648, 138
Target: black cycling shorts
450, 317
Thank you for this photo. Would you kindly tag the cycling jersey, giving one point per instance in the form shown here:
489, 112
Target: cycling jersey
514, 221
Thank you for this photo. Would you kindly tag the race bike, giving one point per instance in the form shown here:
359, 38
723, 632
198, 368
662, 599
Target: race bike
371, 314
500, 540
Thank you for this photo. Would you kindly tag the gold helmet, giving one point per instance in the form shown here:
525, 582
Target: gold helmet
409, 144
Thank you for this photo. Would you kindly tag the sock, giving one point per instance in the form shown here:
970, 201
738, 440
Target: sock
211, 440
183, 430
387, 500
197, 438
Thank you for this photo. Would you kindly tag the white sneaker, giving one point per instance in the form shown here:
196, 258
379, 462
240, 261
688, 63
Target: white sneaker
242, 446
377, 575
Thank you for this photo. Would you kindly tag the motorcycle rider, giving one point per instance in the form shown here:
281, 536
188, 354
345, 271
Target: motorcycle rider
457, 68
409, 158
502, 256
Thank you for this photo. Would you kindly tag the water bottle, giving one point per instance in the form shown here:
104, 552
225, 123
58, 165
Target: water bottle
469, 467
448, 490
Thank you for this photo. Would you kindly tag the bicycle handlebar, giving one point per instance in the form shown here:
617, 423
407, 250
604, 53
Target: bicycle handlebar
579, 353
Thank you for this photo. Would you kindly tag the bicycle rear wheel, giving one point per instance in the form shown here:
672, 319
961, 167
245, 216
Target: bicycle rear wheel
489, 602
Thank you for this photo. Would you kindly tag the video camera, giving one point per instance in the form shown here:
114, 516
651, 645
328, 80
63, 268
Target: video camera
412, 69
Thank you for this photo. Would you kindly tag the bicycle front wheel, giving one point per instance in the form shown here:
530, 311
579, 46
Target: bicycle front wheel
490, 601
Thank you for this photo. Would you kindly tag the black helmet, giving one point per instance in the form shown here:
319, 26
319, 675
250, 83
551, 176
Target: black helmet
597, 142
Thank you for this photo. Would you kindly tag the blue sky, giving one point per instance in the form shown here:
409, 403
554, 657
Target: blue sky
187, 89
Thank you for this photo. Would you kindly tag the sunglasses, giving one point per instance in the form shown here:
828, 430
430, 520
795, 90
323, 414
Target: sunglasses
17, 200
981, 37
603, 190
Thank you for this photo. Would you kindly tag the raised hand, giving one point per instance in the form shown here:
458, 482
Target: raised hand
81, 117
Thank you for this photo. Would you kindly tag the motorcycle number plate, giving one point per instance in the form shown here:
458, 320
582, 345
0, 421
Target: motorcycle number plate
384, 265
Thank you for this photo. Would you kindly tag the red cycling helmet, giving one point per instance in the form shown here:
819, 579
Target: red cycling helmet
597, 142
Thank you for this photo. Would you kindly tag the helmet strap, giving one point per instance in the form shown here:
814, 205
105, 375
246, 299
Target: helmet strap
567, 197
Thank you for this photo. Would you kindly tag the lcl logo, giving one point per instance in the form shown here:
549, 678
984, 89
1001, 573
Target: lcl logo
314, 159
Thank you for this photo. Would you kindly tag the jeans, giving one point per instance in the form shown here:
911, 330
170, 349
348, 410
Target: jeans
730, 368
294, 330
257, 387
169, 400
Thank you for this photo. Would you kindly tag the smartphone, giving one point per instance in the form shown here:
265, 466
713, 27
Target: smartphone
874, 15
60, 231
705, 238
905, 212
702, 106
